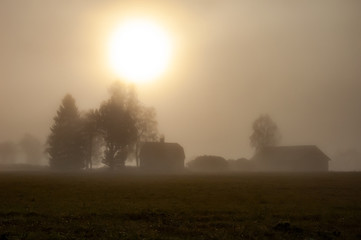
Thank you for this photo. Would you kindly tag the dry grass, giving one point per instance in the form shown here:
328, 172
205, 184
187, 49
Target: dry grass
133, 206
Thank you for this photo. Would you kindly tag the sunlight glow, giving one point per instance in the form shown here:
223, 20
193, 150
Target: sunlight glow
139, 50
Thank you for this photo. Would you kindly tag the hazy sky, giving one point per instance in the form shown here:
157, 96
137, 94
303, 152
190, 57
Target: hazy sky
299, 61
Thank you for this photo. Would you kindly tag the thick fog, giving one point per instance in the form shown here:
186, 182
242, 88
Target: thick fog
298, 61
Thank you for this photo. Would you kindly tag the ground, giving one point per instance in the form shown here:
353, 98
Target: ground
118, 205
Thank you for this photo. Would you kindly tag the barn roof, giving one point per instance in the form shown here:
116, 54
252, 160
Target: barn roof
291, 153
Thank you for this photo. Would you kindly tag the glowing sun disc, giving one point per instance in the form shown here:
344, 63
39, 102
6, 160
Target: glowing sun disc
139, 50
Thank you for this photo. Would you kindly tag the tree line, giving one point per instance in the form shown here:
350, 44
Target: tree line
108, 134
115, 130
111, 133
29, 148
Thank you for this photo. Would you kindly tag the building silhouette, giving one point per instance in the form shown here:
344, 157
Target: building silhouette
308, 158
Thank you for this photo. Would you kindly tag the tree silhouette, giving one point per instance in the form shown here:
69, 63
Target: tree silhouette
90, 137
147, 128
265, 133
117, 126
145, 122
64, 142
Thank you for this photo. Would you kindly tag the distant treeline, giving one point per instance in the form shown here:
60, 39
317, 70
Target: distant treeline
28, 150
113, 133
210, 163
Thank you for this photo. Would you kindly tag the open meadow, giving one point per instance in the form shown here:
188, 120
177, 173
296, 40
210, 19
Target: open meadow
116, 205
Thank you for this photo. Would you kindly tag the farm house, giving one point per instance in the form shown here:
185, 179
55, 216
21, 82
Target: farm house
308, 158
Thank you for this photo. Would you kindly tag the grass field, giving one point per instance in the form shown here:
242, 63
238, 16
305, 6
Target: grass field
133, 206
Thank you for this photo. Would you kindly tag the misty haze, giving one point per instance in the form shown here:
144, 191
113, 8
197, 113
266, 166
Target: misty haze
180, 119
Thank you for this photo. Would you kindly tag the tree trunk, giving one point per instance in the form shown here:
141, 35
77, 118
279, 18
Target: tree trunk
137, 154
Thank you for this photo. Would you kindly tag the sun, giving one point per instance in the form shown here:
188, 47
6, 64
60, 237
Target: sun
139, 50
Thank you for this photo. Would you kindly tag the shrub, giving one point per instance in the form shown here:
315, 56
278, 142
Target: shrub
208, 164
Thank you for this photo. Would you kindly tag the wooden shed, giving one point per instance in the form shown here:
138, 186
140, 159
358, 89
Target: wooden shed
308, 158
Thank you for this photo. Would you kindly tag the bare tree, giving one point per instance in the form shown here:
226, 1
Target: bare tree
147, 128
145, 121
265, 133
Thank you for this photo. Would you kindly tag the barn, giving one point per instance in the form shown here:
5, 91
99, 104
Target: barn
161, 156
308, 158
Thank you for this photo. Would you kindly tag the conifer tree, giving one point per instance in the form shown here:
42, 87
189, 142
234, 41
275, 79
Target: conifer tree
64, 141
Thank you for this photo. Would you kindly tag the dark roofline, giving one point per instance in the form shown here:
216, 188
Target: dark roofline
293, 146
299, 147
